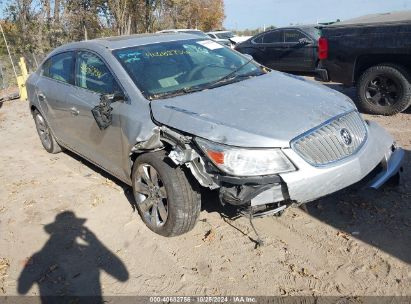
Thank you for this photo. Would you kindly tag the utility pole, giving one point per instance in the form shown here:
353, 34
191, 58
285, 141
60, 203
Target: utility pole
3, 85
8, 51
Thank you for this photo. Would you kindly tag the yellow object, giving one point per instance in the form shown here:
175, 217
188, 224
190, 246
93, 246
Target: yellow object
21, 80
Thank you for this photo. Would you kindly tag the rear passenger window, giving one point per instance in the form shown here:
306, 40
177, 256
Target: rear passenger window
60, 67
259, 39
93, 74
273, 37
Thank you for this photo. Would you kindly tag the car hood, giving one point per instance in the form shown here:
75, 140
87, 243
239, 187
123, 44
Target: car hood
264, 111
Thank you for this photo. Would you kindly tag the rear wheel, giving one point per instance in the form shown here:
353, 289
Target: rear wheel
384, 90
46, 137
166, 200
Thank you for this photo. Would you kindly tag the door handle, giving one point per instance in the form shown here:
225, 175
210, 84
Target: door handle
74, 111
41, 97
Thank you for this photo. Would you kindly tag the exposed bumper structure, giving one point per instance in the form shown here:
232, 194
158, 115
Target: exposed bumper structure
309, 183
392, 164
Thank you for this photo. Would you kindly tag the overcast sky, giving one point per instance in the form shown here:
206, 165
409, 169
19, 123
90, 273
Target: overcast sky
242, 14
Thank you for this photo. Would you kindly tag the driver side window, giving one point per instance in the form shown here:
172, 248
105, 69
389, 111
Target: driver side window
293, 36
93, 74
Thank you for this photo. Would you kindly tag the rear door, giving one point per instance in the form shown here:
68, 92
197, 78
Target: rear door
52, 88
94, 78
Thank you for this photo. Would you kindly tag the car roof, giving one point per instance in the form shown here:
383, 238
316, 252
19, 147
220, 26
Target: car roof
120, 42
178, 30
218, 32
301, 27
309, 29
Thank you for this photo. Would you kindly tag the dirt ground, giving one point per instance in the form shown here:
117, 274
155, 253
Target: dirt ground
66, 227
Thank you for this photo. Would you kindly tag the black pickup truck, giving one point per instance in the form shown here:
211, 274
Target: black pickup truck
374, 54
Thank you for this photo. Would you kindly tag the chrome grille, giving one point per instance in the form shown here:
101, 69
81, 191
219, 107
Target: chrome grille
332, 141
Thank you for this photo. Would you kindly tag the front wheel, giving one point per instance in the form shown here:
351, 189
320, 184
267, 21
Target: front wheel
168, 203
384, 90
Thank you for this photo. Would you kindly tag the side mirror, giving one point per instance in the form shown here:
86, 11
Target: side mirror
304, 41
102, 112
111, 98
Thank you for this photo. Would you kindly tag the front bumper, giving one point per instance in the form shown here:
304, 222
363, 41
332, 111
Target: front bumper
309, 183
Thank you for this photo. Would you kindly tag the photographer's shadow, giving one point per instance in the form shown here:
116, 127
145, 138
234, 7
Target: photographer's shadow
70, 262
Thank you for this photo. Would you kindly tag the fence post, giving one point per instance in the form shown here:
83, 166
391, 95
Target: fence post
21, 80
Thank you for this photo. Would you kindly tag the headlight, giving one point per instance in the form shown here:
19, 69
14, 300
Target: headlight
246, 162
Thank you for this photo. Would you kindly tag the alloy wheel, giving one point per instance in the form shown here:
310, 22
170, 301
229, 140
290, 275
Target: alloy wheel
44, 131
151, 195
383, 91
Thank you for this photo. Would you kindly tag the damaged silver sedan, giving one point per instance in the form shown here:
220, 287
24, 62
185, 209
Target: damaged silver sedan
171, 113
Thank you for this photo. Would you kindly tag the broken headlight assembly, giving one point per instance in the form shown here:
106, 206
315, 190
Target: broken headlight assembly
245, 161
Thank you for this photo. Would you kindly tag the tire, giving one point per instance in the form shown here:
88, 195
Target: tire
175, 195
46, 136
384, 90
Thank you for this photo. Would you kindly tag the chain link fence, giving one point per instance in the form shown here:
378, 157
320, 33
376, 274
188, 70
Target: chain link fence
8, 81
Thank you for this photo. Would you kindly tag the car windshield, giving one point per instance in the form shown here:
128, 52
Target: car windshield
179, 67
226, 35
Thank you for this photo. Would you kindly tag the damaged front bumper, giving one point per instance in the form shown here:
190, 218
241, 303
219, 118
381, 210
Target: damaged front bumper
378, 157
377, 161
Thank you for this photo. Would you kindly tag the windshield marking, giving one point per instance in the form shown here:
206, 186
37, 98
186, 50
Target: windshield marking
211, 45
182, 67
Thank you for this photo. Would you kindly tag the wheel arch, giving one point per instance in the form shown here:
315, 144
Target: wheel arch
134, 154
33, 108
365, 62
179, 150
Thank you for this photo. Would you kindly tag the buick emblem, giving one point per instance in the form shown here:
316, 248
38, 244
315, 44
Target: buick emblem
346, 137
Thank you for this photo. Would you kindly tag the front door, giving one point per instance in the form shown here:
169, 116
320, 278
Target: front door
297, 52
93, 78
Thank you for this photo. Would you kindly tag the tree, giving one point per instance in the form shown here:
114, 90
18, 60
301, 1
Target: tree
206, 15
41, 25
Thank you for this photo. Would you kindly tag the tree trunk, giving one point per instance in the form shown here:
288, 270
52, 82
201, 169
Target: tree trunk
46, 9
85, 32
56, 11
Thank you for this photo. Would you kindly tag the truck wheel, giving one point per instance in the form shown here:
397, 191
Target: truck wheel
46, 137
384, 90
166, 200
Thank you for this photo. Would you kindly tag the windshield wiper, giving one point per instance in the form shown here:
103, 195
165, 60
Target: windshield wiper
229, 75
176, 92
